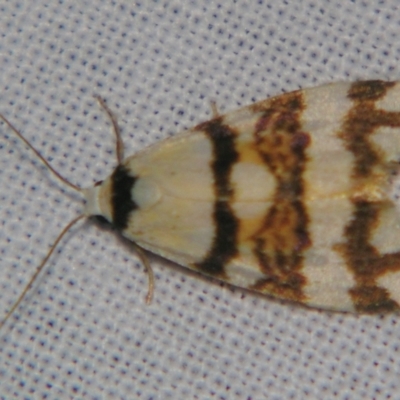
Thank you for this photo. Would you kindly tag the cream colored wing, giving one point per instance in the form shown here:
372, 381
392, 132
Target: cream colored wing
291, 197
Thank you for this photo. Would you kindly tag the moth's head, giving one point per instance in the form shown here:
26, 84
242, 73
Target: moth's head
98, 200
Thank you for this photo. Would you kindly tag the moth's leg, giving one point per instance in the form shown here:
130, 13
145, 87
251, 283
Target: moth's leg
119, 143
214, 109
143, 257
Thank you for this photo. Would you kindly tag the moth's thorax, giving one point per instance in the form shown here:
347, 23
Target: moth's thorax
120, 195
145, 193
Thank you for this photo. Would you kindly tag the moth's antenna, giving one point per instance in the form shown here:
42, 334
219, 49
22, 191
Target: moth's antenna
41, 158
39, 270
60, 236
120, 156
120, 143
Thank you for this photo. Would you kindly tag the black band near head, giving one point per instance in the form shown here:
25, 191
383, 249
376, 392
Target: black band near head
122, 203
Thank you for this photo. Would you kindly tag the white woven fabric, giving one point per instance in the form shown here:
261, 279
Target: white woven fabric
84, 331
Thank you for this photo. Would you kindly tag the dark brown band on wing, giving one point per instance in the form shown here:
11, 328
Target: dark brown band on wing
122, 203
362, 258
224, 245
365, 262
284, 234
362, 121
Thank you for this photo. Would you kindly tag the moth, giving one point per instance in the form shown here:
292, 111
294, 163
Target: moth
295, 197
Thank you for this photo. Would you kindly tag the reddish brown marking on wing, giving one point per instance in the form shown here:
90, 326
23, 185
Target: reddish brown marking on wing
363, 259
283, 236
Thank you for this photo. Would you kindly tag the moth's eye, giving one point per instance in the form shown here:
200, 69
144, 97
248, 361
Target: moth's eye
98, 183
101, 220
